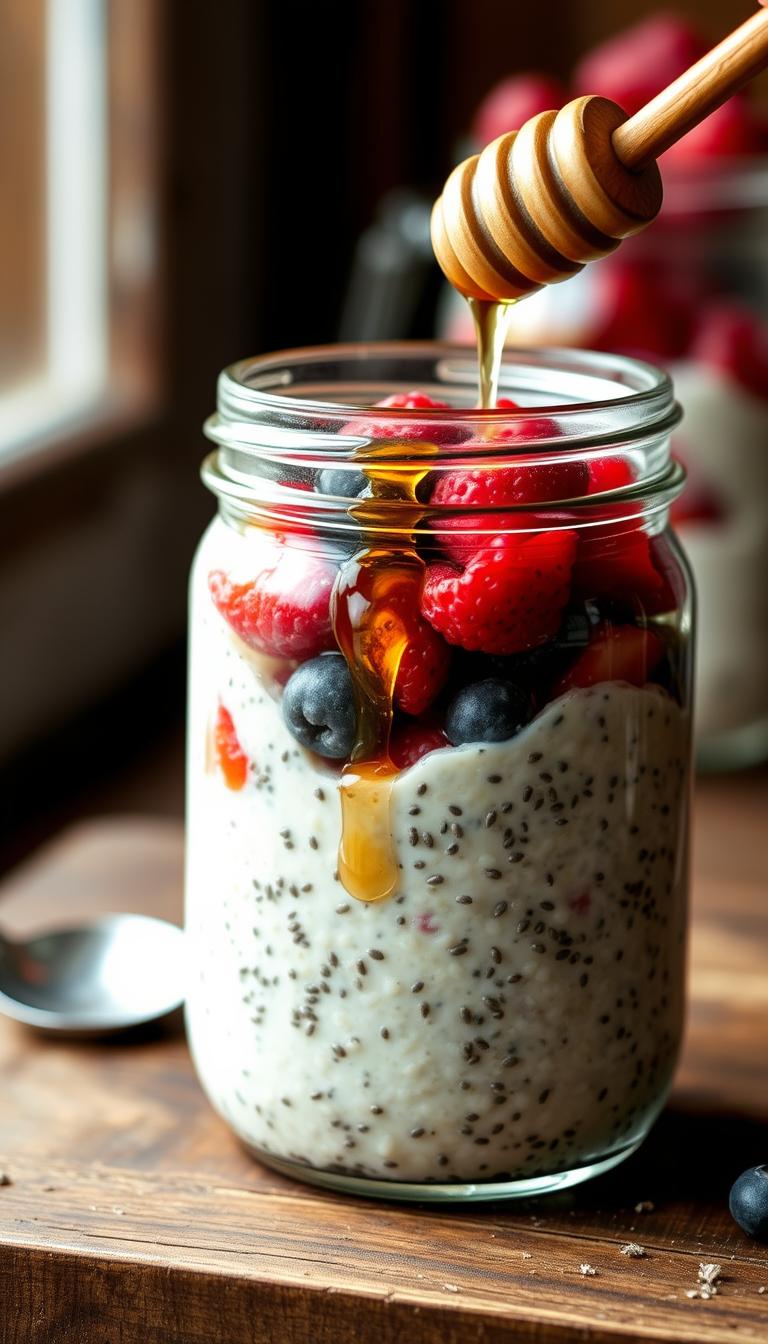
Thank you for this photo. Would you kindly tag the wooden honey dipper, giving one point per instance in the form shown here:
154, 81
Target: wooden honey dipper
539, 202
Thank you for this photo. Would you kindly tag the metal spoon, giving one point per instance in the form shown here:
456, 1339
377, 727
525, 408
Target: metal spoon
117, 972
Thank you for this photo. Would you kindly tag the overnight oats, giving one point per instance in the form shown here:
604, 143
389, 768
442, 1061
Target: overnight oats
439, 735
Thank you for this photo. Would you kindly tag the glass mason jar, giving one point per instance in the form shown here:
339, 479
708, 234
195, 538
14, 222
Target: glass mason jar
436, 885
692, 293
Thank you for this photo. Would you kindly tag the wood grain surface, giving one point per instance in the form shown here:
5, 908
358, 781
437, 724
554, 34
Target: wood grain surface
133, 1217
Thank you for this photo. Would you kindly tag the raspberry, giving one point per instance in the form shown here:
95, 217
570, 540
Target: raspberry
284, 609
508, 598
230, 757
394, 430
411, 741
423, 669
522, 482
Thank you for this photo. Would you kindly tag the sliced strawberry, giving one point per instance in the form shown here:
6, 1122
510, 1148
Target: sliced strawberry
508, 598
284, 609
411, 741
230, 757
514, 101
615, 653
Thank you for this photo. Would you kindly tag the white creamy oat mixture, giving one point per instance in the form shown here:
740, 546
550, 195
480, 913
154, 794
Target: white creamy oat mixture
515, 1010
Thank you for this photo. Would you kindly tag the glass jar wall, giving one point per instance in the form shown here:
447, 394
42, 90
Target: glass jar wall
436, 882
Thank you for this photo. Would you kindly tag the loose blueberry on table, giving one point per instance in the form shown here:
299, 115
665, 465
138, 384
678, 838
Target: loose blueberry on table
513, 1008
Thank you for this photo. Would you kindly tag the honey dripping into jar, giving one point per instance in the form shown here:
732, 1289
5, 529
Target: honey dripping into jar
375, 601
373, 606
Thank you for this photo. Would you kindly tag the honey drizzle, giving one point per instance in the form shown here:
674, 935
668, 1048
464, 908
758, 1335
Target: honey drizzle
491, 321
371, 597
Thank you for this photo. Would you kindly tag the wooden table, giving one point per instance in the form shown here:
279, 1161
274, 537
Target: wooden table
133, 1217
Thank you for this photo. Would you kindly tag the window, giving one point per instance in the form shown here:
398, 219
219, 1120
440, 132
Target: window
129, 208
78, 182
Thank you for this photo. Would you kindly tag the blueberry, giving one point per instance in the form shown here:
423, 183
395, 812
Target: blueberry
487, 711
318, 706
341, 481
749, 1202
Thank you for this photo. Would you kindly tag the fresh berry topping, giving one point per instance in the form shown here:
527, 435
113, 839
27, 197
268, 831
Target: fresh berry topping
230, 757
345, 483
522, 483
394, 429
487, 711
424, 665
318, 706
616, 653
733, 339
634, 66
734, 130
514, 101
411, 741
748, 1202
284, 609
508, 598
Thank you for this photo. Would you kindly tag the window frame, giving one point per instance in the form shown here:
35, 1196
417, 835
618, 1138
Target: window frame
98, 521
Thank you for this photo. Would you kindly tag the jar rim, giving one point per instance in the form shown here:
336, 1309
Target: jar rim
277, 428
255, 390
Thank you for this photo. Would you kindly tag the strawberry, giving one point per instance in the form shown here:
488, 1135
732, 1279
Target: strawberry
514, 101
615, 653
508, 598
230, 757
411, 741
283, 610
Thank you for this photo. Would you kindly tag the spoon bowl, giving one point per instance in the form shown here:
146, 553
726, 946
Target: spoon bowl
115, 973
